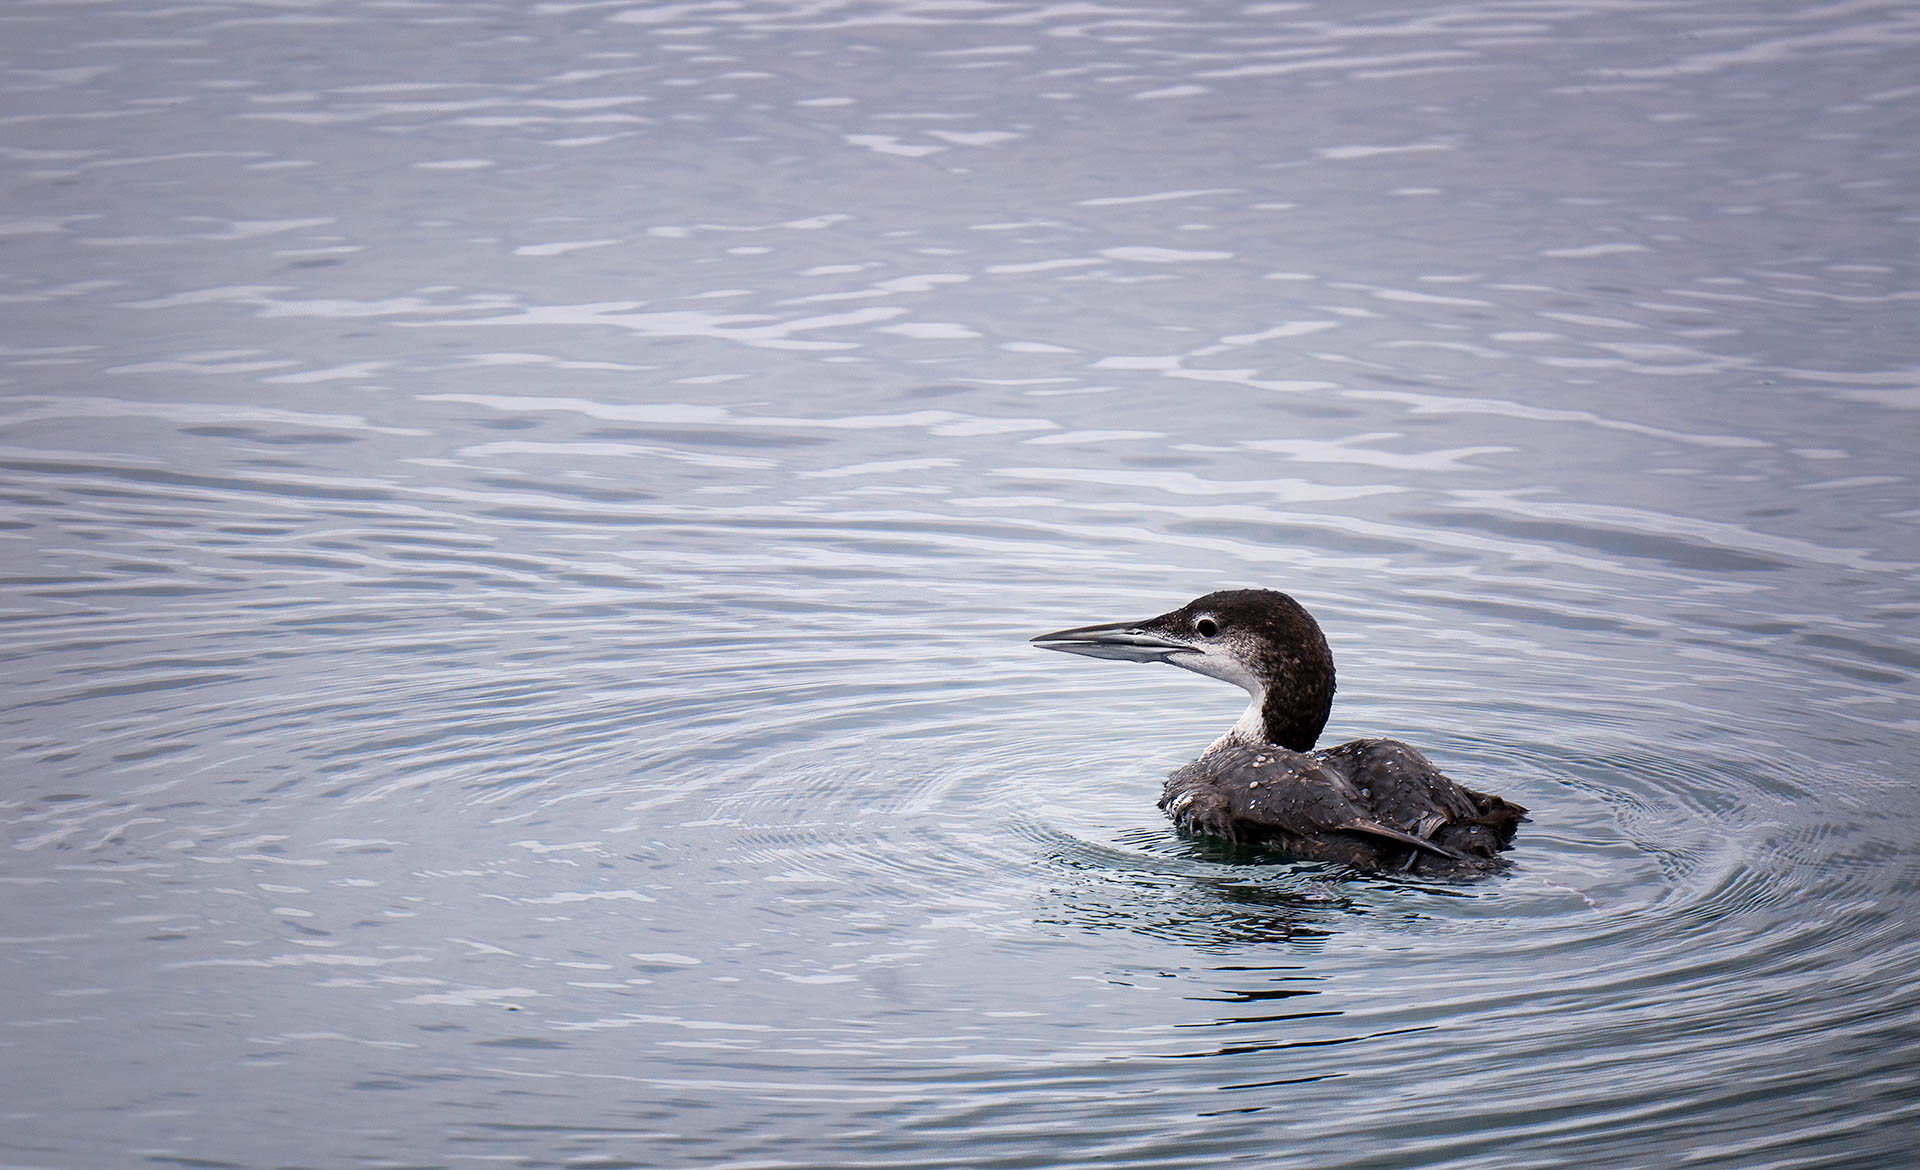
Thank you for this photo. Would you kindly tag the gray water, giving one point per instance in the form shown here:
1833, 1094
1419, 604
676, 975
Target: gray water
523, 522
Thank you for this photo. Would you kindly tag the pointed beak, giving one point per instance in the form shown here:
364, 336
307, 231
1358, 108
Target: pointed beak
1125, 641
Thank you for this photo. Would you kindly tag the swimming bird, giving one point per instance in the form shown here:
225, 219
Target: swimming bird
1373, 804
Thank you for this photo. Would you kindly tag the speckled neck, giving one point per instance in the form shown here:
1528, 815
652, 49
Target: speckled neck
1298, 671
1294, 710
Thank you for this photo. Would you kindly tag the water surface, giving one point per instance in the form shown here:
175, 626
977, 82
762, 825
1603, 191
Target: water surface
524, 519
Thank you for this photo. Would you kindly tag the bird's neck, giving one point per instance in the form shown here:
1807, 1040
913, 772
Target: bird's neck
1269, 719
1250, 730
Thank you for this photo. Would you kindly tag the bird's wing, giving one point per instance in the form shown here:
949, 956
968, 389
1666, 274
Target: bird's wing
1375, 828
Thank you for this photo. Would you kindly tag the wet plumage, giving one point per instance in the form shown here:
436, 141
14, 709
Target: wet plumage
1371, 803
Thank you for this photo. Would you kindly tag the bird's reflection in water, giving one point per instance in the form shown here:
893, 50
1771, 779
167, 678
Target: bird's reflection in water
1212, 895
1264, 1001
1182, 898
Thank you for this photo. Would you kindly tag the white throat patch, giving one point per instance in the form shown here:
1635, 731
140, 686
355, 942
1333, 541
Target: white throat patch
1249, 730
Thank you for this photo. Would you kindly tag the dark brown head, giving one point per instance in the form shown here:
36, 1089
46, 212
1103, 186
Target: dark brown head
1258, 639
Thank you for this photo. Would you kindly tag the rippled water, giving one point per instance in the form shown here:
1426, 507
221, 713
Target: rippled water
524, 519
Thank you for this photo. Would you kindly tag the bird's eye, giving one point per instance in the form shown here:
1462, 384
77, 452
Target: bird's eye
1206, 627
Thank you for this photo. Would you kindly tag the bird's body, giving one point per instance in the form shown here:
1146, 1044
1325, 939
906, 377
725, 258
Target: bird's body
1372, 803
